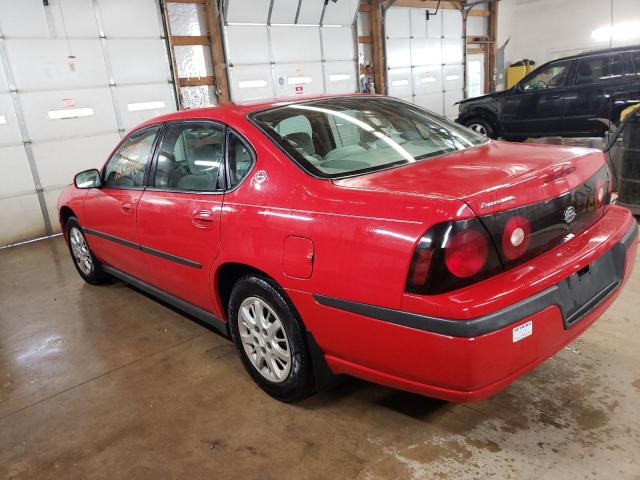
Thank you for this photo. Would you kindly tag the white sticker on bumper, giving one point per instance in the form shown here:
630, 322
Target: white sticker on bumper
522, 331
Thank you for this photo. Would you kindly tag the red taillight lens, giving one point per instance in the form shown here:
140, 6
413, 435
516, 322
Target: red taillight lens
466, 253
516, 237
452, 255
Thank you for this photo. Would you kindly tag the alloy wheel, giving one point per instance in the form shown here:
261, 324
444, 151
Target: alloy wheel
478, 128
80, 249
264, 339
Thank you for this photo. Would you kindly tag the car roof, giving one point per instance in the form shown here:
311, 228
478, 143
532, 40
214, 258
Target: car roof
229, 111
603, 51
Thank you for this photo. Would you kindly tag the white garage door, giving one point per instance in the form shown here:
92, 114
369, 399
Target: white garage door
289, 48
74, 76
425, 58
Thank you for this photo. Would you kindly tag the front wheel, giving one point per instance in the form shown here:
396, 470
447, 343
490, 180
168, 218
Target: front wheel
269, 339
86, 264
482, 126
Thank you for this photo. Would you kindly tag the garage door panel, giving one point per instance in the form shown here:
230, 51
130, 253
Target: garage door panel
139, 103
16, 176
295, 44
426, 51
310, 12
141, 18
340, 13
9, 128
284, 11
452, 50
432, 102
400, 82
451, 23
453, 78
300, 79
58, 161
398, 52
427, 80
4, 84
396, 21
37, 105
450, 107
149, 63
27, 21
247, 11
337, 43
418, 19
250, 82
247, 44
21, 219
51, 199
340, 77
434, 26
38, 63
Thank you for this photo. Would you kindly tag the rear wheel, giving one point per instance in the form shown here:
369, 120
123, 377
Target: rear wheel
482, 126
269, 339
83, 259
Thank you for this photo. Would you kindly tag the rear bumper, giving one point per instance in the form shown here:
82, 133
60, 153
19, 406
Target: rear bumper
468, 359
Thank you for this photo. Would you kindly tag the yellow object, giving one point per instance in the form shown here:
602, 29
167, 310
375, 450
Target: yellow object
515, 74
627, 111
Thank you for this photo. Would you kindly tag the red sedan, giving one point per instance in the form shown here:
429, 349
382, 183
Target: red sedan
358, 235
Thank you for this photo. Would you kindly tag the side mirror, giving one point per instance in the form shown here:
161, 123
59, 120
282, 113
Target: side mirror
88, 179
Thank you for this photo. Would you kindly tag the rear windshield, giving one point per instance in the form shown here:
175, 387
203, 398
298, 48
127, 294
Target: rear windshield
345, 136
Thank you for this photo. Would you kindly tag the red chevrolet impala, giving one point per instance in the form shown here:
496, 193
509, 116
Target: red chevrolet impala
357, 235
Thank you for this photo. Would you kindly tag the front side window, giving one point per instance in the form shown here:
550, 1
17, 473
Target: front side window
599, 69
552, 76
190, 157
361, 134
127, 167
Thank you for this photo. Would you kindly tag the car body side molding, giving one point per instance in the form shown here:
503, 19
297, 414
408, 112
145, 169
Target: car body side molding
152, 251
197, 312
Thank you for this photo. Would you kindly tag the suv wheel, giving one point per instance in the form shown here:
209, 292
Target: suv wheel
269, 339
86, 264
482, 126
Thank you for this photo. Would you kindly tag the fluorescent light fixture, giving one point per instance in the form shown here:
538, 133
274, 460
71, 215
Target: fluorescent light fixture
336, 77
247, 24
427, 79
298, 80
453, 77
3, 120
252, 84
136, 107
293, 25
622, 31
332, 26
399, 83
70, 113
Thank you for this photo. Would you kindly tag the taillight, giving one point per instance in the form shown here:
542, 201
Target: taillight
516, 237
600, 192
452, 255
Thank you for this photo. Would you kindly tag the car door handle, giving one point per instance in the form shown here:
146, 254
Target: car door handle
128, 207
203, 219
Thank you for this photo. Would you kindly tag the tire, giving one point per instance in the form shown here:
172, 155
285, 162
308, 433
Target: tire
264, 353
482, 126
83, 259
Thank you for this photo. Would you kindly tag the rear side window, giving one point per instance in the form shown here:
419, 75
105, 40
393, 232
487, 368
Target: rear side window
599, 69
190, 157
240, 160
636, 61
127, 166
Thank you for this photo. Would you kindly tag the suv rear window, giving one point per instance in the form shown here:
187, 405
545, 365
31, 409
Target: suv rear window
344, 136
599, 69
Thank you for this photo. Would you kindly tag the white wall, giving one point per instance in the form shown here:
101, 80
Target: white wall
542, 30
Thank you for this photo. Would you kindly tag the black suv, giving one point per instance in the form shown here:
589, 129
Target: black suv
564, 97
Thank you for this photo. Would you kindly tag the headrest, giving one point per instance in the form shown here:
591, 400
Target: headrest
302, 141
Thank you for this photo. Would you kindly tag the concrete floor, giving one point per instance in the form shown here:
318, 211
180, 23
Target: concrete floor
104, 382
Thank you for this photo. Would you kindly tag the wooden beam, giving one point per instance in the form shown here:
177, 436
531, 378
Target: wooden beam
379, 61
217, 52
365, 39
479, 13
431, 4
202, 2
475, 50
364, 8
491, 46
179, 40
196, 81
477, 39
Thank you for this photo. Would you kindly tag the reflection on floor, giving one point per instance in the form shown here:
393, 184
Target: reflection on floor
104, 382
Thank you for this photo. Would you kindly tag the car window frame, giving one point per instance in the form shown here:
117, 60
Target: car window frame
622, 79
147, 169
570, 70
154, 163
250, 149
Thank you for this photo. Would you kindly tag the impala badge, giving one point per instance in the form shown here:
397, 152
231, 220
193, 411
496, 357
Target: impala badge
569, 214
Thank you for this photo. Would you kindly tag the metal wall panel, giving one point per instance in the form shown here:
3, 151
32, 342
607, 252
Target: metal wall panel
400, 83
398, 52
340, 13
396, 23
9, 129
156, 93
427, 80
310, 12
148, 65
337, 43
247, 44
451, 23
140, 20
284, 11
340, 77
298, 79
251, 82
16, 178
21, 219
